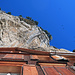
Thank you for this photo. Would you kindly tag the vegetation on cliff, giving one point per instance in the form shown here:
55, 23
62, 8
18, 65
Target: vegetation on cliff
9, 13
30, 21
48, 34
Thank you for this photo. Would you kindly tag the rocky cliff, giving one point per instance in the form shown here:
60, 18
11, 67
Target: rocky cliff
17, 33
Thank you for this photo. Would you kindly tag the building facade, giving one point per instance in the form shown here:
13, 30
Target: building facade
20, 61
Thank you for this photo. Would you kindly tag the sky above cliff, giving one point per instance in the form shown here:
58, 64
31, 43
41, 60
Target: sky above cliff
55, 16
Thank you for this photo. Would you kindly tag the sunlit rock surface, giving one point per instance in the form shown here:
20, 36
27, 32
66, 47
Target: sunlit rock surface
16, 33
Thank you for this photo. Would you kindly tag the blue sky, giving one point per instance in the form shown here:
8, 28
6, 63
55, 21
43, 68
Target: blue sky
55, 16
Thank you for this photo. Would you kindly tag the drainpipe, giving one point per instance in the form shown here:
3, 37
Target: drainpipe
22, 70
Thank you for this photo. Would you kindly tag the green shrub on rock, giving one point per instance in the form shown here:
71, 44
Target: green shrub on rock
28, 17
20, 15
9, 13
48, 34
36, 22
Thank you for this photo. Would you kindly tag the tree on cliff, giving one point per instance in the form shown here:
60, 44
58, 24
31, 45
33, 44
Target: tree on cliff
48, 34
28, 17
36, 22
9, 13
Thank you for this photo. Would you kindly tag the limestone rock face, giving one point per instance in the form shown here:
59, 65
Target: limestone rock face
16, 33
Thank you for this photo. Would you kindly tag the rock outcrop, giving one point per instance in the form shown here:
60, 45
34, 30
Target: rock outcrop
16, 33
